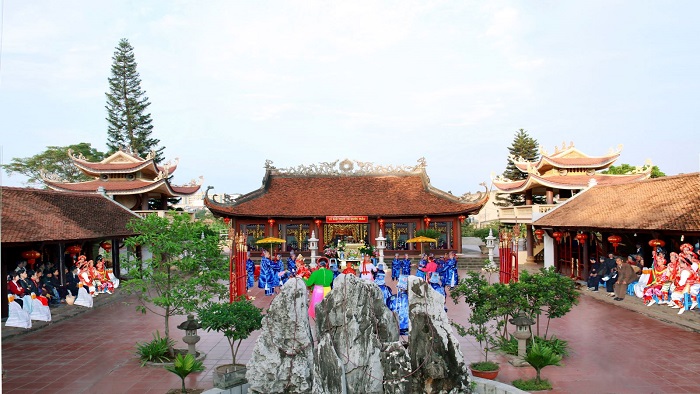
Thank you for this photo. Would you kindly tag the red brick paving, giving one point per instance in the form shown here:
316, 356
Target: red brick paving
613, 350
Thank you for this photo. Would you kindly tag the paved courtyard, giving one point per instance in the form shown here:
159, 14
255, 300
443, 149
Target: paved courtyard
614, 349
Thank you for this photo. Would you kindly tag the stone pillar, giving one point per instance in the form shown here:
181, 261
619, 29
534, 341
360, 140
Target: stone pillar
529, 236
381, 245
549, 252
530, 244
313, 245
549, 195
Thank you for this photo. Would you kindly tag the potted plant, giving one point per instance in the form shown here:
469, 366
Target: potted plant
477, 293
236, 320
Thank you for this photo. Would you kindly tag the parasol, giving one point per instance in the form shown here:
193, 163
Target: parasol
271, 241
421, 239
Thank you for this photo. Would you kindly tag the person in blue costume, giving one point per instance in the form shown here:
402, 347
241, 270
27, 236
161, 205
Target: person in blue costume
265, 278
437, 286
406, 265
386, 290
335, 270
396, 267
276, 266
440, 261
399, 304
420, 271
250, 273
291, 264
451, 274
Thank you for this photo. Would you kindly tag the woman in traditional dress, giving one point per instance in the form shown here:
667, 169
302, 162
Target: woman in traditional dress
321, 280
105, 285
302, 270
366, 269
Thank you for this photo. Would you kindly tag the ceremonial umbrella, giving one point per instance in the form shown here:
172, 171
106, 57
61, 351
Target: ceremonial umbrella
422, 240
271, 241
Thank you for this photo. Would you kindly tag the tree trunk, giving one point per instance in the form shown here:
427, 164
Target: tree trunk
184, 390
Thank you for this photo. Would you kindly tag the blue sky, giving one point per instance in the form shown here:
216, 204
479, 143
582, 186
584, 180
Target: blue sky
235, 83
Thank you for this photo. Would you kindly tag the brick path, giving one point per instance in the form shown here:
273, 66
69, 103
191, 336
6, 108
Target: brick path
613, 350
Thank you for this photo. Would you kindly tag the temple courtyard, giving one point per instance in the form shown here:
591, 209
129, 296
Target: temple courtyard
615, 347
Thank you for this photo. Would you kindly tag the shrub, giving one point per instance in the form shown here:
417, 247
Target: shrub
558, 346
540, 356
484, 366
184, 366
155, 351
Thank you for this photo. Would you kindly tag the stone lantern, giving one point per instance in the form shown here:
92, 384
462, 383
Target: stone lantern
490, 244
191, 338
522, 324
381, 245
313, 246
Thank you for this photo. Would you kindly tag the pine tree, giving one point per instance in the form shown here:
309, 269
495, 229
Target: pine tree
129, 124
524, 147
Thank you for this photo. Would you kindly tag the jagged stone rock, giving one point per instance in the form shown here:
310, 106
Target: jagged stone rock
283, 355
359, 324
436, 358
329, 370
397, 366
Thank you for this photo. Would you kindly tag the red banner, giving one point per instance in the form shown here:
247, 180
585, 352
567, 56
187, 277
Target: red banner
346, 219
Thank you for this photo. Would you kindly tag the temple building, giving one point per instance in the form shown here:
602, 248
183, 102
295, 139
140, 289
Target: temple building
617, 218
349, 201
127, 179
557, 177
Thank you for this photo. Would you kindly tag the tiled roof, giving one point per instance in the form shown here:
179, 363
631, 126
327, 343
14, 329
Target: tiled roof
33, 215
581, 162
124, 187
669, 203
317, 196
566, 181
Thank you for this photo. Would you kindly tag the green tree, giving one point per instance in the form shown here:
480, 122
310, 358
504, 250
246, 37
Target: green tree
186, 269
236, 320
129, 122
629, 169
524, 147
54, 160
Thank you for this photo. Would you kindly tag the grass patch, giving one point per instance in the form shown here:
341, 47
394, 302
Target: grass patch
532, 384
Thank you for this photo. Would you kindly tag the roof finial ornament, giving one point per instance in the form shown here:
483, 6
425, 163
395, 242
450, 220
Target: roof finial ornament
543, 151
268, 165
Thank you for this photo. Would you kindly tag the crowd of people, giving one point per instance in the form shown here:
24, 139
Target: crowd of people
674, 282
44, 283
274, 272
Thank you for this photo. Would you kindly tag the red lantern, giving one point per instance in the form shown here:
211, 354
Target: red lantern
615, 240
271, 221
654, 243
557, 235
73, 250
381, 222
31, 256
461, 218
581, 237
227, 220
427, 221
539, 233
318, 223
106, 246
